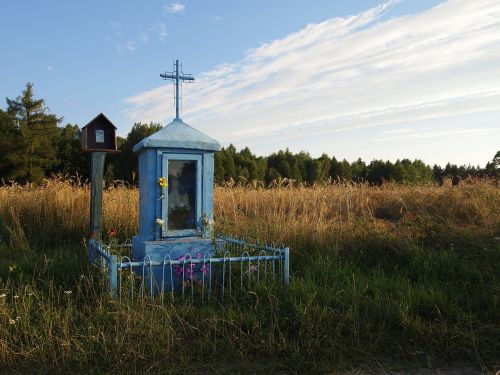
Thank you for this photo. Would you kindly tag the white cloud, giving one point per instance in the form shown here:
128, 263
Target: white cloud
50, 67
127, 46
174, 8
443, 134
160, 29
352, 75
118, 39
143, 37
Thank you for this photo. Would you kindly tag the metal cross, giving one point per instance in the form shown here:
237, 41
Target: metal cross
176, 77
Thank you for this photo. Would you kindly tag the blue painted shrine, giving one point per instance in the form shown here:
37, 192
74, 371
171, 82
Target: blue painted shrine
176, 181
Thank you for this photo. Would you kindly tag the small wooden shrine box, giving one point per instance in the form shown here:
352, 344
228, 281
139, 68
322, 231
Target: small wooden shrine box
99, 135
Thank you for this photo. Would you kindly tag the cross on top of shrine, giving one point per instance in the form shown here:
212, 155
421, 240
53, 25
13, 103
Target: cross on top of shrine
177, 76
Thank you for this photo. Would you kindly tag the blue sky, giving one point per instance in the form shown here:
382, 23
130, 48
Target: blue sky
370, 79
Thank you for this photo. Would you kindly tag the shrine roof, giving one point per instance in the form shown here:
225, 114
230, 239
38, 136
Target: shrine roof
178, 134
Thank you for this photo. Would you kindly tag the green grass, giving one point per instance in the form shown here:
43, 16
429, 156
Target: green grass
421, 308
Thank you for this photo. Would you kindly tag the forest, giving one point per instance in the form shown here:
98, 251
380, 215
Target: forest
35, 145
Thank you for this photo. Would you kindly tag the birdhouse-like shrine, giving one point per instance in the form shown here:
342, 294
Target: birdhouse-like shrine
99, 135
176, 179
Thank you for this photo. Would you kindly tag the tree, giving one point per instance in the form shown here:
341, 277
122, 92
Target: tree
296, 175
380, 172
492, 168
272, 175
39, 132
308, 172
321, 168
359, 170
302, 162
71, 159
496, 160
437, 173
12, 162
260, 172
345, 171
219, 173
423, 172
126, 163
229, 165
450, 170
334, 171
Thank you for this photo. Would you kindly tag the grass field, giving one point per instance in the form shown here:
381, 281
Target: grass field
393, 277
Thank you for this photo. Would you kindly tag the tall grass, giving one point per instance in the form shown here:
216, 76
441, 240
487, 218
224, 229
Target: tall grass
58, 212
399, 275
372, 224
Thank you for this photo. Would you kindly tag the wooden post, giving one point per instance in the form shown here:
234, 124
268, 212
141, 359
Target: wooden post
96, 175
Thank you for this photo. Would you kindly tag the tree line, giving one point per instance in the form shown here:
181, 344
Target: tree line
34, 146
243, 167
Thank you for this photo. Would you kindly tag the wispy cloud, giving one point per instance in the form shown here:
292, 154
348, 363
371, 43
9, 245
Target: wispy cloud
126, 43
126, 46
174, 8
440, 134
143, 37
347, 74
160, 29
114, 25
118, 39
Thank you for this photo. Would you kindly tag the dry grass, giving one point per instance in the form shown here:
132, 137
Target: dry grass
59, 211
335, 213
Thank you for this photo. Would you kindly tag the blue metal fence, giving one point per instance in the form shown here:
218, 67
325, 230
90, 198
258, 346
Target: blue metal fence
237, 266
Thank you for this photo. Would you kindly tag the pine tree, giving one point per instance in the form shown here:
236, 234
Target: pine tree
219, 167
229, 165
39, 133
359, 170
12, 163
492, 168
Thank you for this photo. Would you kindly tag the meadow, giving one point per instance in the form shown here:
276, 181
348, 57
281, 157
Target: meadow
389, 277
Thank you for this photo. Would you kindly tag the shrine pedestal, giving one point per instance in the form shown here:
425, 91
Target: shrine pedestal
174, 247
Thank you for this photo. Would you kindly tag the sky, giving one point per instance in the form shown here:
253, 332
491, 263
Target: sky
371, 78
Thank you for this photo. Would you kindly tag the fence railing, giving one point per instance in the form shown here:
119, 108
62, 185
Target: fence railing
236, 266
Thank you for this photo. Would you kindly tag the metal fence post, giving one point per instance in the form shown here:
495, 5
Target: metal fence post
286, 268
112, 275
91, 251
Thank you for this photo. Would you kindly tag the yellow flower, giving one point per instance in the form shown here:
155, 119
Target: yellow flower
162, 181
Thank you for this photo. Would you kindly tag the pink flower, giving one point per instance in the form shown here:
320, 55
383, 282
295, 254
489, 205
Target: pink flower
205, 269
190, 268
178, 270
